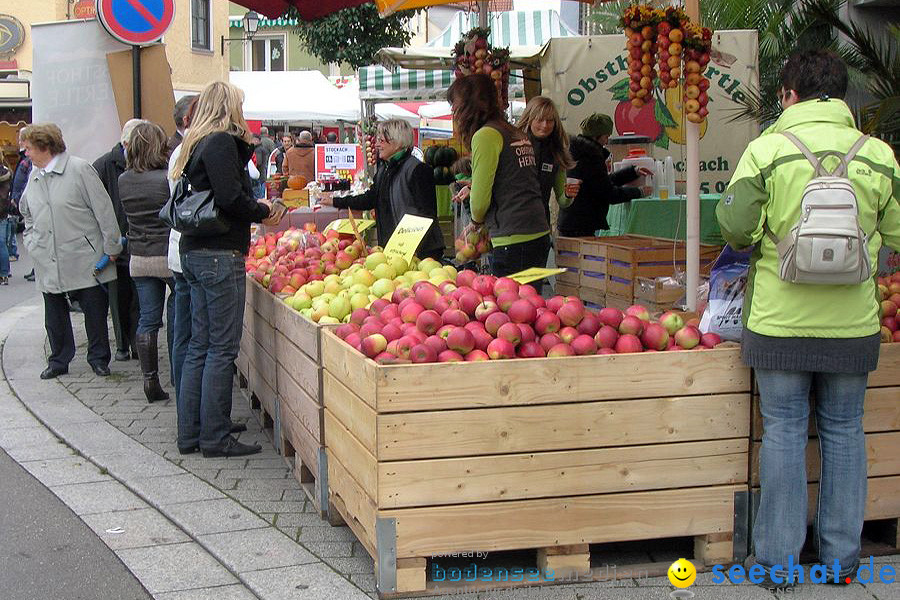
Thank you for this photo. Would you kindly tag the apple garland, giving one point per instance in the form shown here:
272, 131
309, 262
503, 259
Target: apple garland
474, 54
679, 48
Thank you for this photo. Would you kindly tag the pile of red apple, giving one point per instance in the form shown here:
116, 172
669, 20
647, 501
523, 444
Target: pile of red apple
889, 292
668, 40
482, 317
641, 43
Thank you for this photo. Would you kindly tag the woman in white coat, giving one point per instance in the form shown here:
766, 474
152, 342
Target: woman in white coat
69, 226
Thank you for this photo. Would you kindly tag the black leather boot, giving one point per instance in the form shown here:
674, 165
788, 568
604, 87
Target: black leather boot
148, 355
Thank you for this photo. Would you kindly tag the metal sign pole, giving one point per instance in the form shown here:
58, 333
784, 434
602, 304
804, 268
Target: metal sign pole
136, 80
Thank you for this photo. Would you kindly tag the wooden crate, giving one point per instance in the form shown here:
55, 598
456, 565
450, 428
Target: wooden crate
568, 251
628, 259
565, 289
881, 423
572, 276
593, 264
299, 386
429, 459
614, 301
592, 298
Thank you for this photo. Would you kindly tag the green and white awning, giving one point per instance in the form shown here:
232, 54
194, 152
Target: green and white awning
511, 28
377, 82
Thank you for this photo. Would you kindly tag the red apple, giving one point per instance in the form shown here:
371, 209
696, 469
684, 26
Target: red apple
655, 337
571, 312
672, 321
548, 340
522, 311
631, 325
896, 336
888, 309
494, 320
547, 322
589, 325
530, 350
636, 310
710, 340
606, 337
506, 298
370, 328
628, 343
450, 356
465, 278
687, 337
373, 345
483, 284
567, 334
482, 339
428, 322
422, 353
469, 301
436, 343
610, 316
454, 316
561, 349
342, 331
473, 325
527, 332
555, 302
485, 309
359, 315
461, 340
538, 301
510, 332
606, 351
505, 284
584, 344
477, 355
426, 293
500, 349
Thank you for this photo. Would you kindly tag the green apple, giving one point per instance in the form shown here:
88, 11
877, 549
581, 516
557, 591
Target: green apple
365, 277
319, 302
375, 259
359, 301
384, 271
428, 265
339, 307
399, 264
333, 287
329, 278
451, 271
301, 300
314, 288
306, 312
358, 288
414, 276
318, 313
439, 277
382, 287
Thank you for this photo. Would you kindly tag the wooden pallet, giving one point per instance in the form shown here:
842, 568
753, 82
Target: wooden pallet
881, 423
429, 459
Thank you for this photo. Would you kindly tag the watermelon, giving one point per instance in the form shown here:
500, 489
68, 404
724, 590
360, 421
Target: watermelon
430, 154
438, 175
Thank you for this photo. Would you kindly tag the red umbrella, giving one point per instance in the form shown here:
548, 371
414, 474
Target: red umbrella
308, 9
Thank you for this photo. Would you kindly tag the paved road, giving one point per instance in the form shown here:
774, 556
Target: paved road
45, 549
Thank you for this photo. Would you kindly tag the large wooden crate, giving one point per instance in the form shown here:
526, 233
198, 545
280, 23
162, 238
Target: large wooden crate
628, 259
545, 454
257, 354
881, 423
299, 385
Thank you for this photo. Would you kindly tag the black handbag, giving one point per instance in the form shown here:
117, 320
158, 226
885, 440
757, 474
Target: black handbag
192, 213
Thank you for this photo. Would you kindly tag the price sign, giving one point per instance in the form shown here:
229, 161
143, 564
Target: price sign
407, 236
533, 274
338, 161
344, 226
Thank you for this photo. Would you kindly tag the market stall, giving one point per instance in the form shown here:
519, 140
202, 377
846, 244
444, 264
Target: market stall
293, 97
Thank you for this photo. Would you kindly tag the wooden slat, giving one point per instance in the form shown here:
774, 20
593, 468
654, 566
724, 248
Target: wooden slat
411, 574
888, 372
248, 344
260, 386
300, 330
304, 369
356, 459
351, 368
882, 450
304, 443
881, 412
714, 548
563, 521
265, 363
570, 473
563, 560
441, 386
351, 411
562, 426
356, 507
262, 301
308, 412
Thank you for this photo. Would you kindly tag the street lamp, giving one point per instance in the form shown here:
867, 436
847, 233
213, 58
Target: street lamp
250, 23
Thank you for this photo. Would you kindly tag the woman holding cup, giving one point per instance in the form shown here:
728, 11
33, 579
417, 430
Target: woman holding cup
594, 187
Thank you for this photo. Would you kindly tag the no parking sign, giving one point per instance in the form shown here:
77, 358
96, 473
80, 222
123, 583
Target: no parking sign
136, 22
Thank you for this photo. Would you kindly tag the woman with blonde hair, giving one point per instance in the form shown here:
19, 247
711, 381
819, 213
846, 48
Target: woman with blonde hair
213, 156
143, 190
541, 123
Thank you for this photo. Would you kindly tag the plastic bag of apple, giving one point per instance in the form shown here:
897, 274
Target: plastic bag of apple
482, 317
889, 293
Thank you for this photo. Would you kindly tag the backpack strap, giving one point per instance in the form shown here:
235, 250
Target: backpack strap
820, 170
782, 246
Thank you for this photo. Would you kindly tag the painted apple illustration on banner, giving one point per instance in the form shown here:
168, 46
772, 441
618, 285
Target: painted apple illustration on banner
660, 118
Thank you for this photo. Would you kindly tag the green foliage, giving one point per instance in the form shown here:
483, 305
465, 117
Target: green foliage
353, 35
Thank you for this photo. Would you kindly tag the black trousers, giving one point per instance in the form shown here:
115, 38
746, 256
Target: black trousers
513, 258
95, 304
126, 312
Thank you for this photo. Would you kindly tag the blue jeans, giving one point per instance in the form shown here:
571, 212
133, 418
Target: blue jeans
259, 188
780, 526
4, 250
181, 329
217, 281
151, 293
12, 223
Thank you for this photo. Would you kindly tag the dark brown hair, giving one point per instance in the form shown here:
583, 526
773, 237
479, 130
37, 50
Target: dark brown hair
475, 103
46, 136
147, 148
815, 74
542, 108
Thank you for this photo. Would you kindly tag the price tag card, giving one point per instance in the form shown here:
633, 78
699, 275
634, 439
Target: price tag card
407, 236
344, 226
533, 274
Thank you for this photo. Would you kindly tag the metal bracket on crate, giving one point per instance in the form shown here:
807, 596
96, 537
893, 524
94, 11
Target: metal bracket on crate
741, 535
386, 547
322, 482
276, 426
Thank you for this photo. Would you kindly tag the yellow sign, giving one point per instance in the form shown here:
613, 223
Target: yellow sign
344, 226
533, 274
407, 236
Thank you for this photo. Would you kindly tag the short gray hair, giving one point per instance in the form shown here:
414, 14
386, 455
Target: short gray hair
128, 128
396, 130
181, 109
305, 136
263, 131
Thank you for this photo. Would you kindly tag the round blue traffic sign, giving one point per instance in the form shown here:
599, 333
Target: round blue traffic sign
136, 22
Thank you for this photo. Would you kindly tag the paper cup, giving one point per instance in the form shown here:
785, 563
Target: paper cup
572, 181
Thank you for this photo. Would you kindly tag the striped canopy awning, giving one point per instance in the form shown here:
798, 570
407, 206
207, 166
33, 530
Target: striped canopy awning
376, 82
237, 22
512, 28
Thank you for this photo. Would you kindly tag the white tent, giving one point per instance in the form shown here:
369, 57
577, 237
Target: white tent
291, 96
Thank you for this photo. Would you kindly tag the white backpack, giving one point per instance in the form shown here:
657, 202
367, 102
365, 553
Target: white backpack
826, 246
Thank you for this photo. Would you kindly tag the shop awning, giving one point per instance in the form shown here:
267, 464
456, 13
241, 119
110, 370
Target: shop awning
291, 96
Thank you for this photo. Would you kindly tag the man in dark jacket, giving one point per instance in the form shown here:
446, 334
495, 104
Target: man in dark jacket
123, 295
181, 110
17, 188
599, 189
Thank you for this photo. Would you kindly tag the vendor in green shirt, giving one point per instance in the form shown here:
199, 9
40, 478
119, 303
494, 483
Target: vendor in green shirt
505, 196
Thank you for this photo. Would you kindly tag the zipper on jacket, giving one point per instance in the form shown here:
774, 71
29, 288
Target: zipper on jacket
89, 243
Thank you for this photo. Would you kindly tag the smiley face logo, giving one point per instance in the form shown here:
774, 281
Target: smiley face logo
682, 573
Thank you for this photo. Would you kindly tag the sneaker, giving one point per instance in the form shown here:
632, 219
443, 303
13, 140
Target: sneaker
30, 276
13, 258
4, 280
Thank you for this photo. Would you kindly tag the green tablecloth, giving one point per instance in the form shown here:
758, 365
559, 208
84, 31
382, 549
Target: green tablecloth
664, 219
